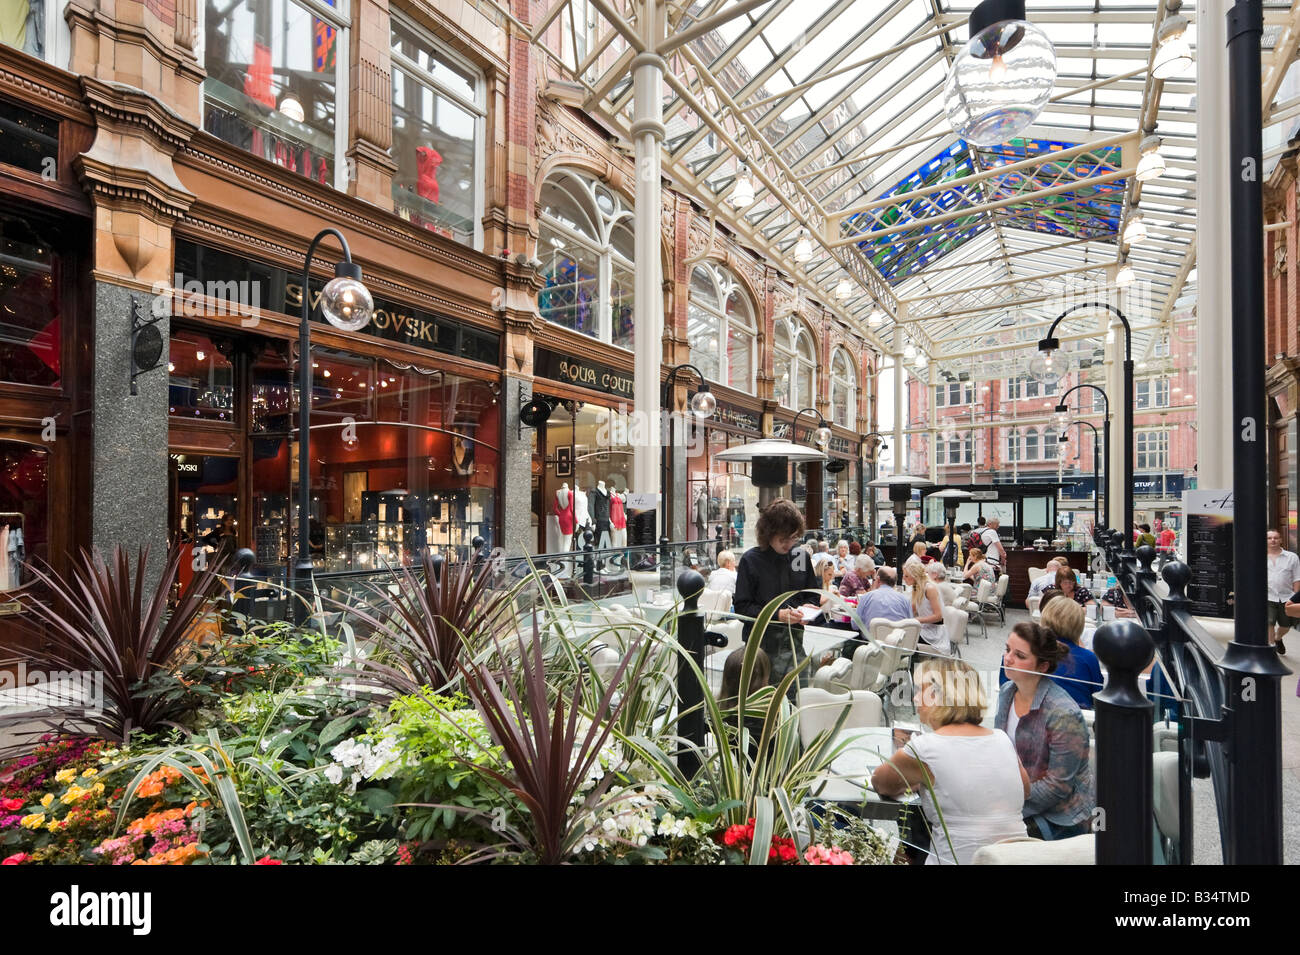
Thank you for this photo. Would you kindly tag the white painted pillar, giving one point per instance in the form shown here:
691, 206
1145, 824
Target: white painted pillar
934, 424
647, 135
1214, 258
902, 453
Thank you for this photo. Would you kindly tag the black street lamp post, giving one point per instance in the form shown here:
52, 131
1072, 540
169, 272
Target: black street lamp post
1096, 467
1061, 408
1049, 345
346, 304
702, 405
821, 439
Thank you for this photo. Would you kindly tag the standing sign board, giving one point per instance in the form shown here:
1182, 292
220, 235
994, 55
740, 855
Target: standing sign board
1209, 551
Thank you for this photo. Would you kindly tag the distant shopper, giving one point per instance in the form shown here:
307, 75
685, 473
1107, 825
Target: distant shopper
1145, 538
724, 575
1283, 581
991, 542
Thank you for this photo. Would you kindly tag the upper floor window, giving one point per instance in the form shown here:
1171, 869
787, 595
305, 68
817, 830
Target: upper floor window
844, 390
586, 248
1050, 439
36, 27
438, 119
953, 393
720, 328
1027, 386
277, 81
795, 366
1160, 348
1152, 451
959, 450
1031, 445
1013, 445
1151, 393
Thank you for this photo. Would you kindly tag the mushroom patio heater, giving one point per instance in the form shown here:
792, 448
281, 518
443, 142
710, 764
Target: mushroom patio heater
900, 494
769, 460
951, 497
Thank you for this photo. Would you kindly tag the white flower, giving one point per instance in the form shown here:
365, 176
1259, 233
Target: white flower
334, 773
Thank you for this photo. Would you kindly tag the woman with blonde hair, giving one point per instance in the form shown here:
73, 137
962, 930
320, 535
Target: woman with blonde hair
963, 770
927, 606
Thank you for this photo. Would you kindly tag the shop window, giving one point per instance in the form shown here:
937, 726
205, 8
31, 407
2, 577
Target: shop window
273, 85
720, 328
586, 246
795, 364
30, 140
438, 117
844, 390
31, 337
585, 444
24, 510
201, 379
783, 364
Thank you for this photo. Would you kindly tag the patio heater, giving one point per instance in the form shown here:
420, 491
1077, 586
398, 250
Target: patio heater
769, 462
951, 497
900, 495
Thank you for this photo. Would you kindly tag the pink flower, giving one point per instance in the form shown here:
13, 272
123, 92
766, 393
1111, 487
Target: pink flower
18, 858
267, 860
827, 855
11, 805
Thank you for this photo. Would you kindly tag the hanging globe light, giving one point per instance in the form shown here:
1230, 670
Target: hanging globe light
1151, 164
803, 249
1002, 78
1173, 52
1126, 276
823, 436
345, 302
703, 403
1135, 231
743, 194
844, 289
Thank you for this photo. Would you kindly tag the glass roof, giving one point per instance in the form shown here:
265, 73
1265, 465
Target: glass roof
837, 105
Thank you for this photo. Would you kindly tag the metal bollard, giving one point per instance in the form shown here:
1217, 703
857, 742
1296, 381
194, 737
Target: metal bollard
1123, 819
690, 695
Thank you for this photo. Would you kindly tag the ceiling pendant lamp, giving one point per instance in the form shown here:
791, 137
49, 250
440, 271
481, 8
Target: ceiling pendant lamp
803, 249
844, 289
1126, 276
1151, 163
743, 194
1173, 52
1002, 78
1136, 230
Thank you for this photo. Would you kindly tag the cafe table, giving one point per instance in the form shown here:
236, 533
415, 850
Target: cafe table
848, 779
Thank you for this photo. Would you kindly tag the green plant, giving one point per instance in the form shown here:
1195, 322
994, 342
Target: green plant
100, 620
435, 619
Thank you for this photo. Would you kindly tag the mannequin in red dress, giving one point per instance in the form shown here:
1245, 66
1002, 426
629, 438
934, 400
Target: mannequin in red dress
564, 515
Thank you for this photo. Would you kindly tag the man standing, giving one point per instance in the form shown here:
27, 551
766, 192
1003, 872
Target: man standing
1283, 581
991, 543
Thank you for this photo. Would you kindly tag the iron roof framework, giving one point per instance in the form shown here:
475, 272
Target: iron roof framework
836, 108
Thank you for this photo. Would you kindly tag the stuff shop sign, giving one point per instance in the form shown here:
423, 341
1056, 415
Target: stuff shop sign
582, 372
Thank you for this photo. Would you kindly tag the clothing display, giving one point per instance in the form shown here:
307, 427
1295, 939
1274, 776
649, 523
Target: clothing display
618, 519
564, 510
598, 501
427, 161
581, 514
239, 131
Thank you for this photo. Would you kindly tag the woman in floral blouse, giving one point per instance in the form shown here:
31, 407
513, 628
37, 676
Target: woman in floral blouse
1067, 581
1050, 735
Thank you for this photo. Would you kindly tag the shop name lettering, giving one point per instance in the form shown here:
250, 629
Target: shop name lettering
384, 321
586, 375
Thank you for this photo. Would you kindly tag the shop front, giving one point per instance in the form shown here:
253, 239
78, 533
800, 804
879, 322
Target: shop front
581, 454
829, 493
721, 501
405, 428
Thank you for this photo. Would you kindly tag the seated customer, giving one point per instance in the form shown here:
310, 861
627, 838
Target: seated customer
723, 576
859, 577
841, 557
1048, 579
974, 772
1068, 583
977, 569
1079, 674
927, 607
921, 552
1050, 735
882, 601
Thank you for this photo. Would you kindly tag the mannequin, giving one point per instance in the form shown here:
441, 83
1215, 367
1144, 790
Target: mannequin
564, 500
700, 513
618, 519
600, 514
581, 515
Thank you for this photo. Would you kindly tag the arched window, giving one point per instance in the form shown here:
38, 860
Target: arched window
844, 389
1013, 445
795, 366
720, 328
586, 248
1031, 445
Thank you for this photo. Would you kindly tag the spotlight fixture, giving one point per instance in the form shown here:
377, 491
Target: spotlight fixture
1151, 162
742, 194
1002, 78
1173, 52
803, 249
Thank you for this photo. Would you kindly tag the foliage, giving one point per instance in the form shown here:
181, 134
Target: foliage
424, 624
100, 620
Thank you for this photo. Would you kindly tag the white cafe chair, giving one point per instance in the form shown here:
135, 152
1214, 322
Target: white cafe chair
954, 622
1035, 573
819, 710
1076, 850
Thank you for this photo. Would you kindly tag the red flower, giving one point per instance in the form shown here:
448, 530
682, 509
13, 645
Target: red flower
11, 805
788, 853
18, 858
267, 860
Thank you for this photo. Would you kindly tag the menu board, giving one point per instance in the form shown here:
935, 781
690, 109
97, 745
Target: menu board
1209, 551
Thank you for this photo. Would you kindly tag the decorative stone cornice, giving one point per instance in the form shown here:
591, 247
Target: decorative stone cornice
38, 84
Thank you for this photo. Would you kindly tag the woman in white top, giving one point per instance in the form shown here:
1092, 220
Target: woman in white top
927, 606
972, 785
723, 577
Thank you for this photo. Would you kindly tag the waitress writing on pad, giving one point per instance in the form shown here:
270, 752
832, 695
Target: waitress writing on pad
776, 566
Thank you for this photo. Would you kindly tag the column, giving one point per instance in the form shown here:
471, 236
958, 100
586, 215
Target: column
647, 135
900, 407
934, 423
370, 107
1214, 257
1114, 388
